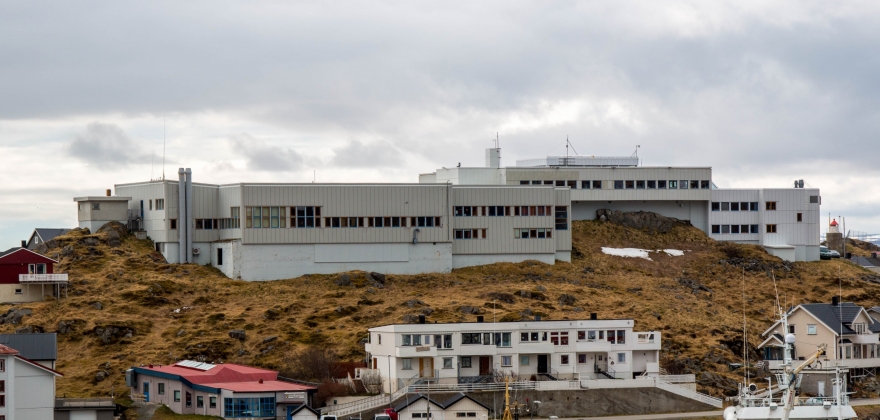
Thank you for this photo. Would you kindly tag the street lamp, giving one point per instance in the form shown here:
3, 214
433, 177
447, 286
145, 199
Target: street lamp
532, 412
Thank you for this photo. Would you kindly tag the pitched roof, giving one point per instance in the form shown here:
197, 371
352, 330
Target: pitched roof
47, 234
305, 407
410, 401
40, 346
444, 405
835, 317
461, 396
7, 350
10, 251
236, 378
39, 366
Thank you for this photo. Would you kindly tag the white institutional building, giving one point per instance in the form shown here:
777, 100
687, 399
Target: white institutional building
471, 352
452, 218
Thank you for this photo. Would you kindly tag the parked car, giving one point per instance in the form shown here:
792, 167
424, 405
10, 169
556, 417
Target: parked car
382, 416
824, 253
328, 417
835, 254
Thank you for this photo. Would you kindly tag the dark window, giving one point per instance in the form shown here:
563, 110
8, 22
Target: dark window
161, 388
199, 224
173, 223
744, 206
585, 185
618, 185
753, 206
800, 217
771, 228
716, 206
661, 184
189, 400
560, 183
571, 184
716, 228
754, 229
249, 407
734, 228
561, 218
814, 199
470, 338
683, 184
219, 256
640, 185
652, 185
524, 183
200, 401
465, 362
744, 229
212, 402
630, 185
177, 396
734, 206
597, 185
695, 185
770, 205
536, 182
548, 182
704, 185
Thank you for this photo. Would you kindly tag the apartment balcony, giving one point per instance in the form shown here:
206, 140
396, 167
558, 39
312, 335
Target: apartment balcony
864, 338
42, 278
416, 351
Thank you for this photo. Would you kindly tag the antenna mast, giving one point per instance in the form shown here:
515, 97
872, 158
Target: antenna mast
163, 147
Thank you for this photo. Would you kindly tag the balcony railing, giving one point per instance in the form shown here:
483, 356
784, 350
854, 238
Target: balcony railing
42, 278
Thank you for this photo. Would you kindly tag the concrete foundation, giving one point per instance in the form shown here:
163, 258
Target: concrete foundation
834, 241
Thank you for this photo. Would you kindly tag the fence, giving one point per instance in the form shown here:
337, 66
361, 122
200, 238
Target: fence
86, 402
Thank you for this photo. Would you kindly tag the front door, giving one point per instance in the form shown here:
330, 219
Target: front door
542, 363
146, 392
601, 363
426, 367
485, 365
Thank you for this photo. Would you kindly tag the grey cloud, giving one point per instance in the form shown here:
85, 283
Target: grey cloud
261, 156
106, 146
356, 154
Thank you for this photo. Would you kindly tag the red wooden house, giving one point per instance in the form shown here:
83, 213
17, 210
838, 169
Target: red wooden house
20, 268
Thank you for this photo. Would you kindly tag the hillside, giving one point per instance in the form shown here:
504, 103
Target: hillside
127, 307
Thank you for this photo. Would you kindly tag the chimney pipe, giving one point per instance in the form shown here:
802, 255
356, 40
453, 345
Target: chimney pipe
537, 317
593, 316
108, 192
261, 380
23, 243
835, 301
181, 215
479, 318
190, 222
421, 319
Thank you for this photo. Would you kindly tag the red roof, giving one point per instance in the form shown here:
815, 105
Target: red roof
833, 222
237, 378
7, 350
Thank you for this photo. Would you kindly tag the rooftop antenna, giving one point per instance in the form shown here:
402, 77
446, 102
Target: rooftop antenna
163, 146
497, 141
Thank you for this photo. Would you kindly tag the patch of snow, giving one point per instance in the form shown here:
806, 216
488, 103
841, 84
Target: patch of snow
674, 252
627, 252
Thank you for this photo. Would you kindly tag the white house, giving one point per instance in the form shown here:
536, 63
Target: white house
537, 350
459, 406
27, 389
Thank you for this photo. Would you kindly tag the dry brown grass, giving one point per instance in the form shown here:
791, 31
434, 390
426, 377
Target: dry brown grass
141, 293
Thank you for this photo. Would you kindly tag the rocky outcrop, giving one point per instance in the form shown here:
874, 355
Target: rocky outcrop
112, 334
239, 335
642, 220
14, 315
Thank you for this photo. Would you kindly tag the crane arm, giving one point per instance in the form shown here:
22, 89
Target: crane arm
813, 358
789, 393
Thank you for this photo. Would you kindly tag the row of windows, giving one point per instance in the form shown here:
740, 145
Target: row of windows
497, 211
249, 407
740, 206
160, 204
734, 229
470, 234
662, 184
503, 339
200, 400
212, 224
310, 217
507, 361
533, 233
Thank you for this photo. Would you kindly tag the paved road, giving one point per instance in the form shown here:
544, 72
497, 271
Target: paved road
853, 402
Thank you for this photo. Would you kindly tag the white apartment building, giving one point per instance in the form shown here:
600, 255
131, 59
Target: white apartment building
785, 221
530, 350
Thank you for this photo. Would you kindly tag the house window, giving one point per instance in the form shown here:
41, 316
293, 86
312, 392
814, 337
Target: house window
79, 206
591, 336
791, 329
800, 217
524, 360
2, 386
447, 363
725, 228
771, 228
704, 184
770, 205
2, 365
753, 206
200, 401
470, 338
585, 185
640, 185
422, 415
734, 206
661, 184
379, 337
465, 362
212, 402
683, 184
571, 184
249, 407
160, 204
407, 339
563, 359
2, 401
151, 204
673, 184
597, 185
176, 396
304, 216
652, 185
734, 228
716, 228
96, 206
601, 335
18, 291
696, 185
189, 400
173, 224
814, 199
618, 185
716, 206
811, 329
582, 335
582, 358
621, 336
407, 364
630, 185
219, 256
754, 228
506, 361
621, 357
447, 341
161, 389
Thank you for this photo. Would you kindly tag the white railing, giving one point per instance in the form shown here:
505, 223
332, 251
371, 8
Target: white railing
476, 387
678, 379
687, 393
365, 404
42, 278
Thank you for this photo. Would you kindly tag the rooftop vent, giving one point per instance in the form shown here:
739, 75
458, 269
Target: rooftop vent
421, 319
594, 316
479, 318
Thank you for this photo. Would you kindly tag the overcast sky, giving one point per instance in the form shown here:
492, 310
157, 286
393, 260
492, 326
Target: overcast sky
763, 92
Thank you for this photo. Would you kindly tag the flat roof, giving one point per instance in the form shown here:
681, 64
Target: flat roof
101, 198
489, 323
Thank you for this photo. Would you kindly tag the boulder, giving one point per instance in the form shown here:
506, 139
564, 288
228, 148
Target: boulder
101, 375
90, 241
501, 297
567, 300
239, 335
14, 316
427, 311
642, 220
269, 339
67, 251
30, 329
97, 305
111, 334
113, 233
713, 380
412, 303
343, 280
541, 289
67, 327
470, 310
410, 319
378, 277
